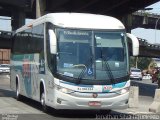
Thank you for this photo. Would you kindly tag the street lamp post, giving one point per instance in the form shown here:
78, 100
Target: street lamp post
156, 28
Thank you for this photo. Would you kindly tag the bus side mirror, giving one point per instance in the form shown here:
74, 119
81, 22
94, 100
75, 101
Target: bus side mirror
53, 41
135, 44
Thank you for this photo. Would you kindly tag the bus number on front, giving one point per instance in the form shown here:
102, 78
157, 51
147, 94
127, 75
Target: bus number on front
85, 88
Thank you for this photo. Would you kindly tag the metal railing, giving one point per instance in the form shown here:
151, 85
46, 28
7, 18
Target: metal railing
148, 14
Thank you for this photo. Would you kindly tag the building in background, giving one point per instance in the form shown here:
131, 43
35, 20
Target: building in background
5, 56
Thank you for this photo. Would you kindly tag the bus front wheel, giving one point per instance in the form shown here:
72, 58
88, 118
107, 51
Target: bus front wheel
18, 96
44, 106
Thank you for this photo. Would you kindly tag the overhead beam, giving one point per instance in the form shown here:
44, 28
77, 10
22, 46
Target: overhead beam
114, 6
86, 5
18, 3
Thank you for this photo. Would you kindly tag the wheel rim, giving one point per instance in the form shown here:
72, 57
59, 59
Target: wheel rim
17, 91
42, 99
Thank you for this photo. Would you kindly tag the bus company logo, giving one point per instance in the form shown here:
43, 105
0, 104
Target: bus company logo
107, 87
94, 95
26, 68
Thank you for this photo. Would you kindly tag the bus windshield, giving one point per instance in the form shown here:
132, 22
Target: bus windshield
91, 54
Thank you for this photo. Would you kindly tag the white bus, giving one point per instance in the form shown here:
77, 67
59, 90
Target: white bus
72, 61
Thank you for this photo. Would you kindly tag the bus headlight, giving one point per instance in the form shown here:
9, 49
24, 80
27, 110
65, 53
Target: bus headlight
64, 90
123, 91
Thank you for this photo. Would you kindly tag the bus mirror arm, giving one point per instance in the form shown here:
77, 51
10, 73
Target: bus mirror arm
53, 42
135, 44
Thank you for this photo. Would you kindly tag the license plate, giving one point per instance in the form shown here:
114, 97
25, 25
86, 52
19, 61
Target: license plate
94, 103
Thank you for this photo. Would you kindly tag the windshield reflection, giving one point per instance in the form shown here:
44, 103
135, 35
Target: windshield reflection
79, 57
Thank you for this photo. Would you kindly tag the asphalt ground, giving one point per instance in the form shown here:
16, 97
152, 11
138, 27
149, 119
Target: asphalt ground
28, 109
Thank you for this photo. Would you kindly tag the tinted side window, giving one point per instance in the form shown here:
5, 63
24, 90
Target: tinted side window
29, 41
37, 41
21, 41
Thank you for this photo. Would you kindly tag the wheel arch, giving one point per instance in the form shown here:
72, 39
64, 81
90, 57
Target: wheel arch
42, 88
17, 81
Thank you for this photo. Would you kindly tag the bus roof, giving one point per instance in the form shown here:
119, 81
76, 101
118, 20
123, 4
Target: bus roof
78, 20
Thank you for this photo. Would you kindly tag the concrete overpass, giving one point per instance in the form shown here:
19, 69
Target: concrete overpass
146, 49
5, 39
117, 8
21, 9
145, 20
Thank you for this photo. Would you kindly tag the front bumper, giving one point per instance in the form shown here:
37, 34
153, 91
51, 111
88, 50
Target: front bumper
67, 101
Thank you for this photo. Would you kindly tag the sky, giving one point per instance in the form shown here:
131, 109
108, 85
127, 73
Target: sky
151, 35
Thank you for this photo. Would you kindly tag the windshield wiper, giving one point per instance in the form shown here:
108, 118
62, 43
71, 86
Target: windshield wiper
107, 67
82, 73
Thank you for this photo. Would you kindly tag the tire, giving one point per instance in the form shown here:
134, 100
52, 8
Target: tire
45, 108
18, 96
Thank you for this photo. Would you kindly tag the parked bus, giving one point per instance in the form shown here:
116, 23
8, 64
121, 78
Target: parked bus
72, 61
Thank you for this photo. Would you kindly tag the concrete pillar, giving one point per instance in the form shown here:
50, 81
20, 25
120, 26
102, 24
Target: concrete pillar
133, 97
155, 106
18, 19
40, 8
127, 21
